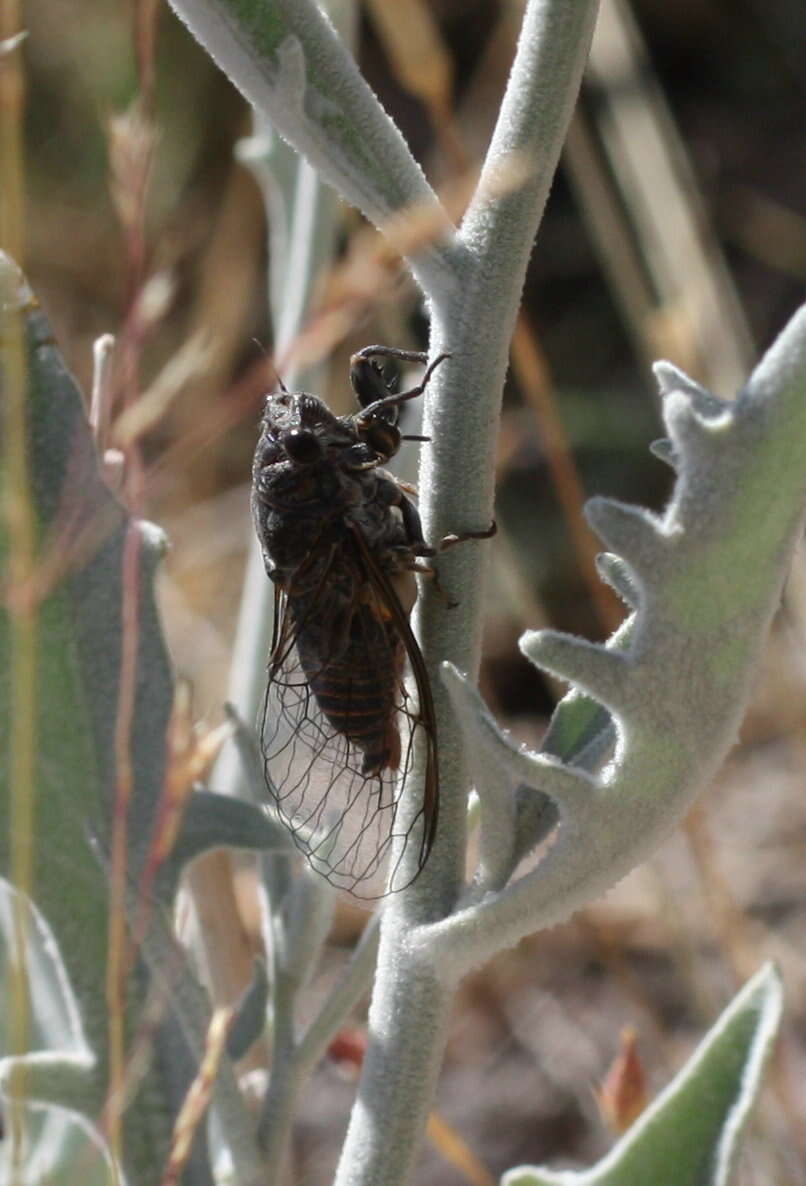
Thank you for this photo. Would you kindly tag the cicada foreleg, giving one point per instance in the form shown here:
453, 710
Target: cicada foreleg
371, 387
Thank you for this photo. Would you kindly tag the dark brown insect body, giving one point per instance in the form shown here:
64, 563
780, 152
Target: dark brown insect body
341, 541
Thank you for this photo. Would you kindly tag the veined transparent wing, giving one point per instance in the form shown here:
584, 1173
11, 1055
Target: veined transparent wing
339, 727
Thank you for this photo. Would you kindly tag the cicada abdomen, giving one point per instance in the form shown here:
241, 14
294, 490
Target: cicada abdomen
358, 686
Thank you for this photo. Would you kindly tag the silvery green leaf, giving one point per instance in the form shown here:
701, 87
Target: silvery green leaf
79, 637
690, 1135
675, 678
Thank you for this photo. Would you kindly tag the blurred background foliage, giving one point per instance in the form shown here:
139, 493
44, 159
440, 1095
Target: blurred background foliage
675, 229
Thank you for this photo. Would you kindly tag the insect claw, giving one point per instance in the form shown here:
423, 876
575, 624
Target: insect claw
448, 541
440, 358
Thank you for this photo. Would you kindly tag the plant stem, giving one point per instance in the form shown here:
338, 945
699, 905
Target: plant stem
474, 323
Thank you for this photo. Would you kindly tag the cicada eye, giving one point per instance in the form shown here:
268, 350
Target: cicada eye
382, 438
302, 446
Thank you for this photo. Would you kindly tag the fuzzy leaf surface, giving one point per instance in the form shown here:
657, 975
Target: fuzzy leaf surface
78, 677
690, 1135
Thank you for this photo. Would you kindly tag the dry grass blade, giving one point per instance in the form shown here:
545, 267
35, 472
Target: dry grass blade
191, 752
198, 1097
457, 1153
372, 268
532, 372
149, 409
698, 318
145, 16
422, 64
133, 140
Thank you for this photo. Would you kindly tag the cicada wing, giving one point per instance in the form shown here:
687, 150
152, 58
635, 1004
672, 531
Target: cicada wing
420, 717
338, 726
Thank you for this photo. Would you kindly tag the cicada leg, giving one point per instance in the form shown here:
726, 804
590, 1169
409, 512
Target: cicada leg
368, 382
448, 541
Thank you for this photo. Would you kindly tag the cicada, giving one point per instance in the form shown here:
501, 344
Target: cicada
341, 541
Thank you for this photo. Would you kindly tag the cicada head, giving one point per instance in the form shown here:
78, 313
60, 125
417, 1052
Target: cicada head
299, 428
